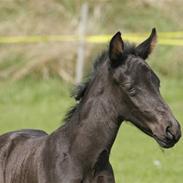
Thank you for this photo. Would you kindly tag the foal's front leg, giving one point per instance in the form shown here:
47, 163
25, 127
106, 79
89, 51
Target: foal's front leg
105, 175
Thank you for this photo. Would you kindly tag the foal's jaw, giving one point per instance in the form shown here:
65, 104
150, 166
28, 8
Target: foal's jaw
160, 124
166, 136
165, 130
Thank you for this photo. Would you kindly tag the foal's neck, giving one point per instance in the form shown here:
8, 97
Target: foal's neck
94, 124
96, 129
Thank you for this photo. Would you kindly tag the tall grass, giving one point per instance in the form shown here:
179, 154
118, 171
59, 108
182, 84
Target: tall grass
62, 17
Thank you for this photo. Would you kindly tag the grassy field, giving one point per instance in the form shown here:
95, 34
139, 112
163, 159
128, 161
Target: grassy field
61, 17
37, 103
136, 158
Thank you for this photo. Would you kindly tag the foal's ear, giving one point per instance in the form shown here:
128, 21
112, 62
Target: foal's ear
146, 47
116, 48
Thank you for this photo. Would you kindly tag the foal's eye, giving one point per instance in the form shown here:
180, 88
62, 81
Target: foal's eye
132, 91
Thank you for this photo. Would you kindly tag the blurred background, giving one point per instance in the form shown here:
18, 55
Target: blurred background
44, 53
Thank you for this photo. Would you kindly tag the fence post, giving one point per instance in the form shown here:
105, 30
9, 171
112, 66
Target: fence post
81, 45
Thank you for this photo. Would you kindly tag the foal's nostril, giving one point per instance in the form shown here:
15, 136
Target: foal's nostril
169, 135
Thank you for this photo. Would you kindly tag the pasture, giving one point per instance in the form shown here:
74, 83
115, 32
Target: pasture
34, 102
136, 158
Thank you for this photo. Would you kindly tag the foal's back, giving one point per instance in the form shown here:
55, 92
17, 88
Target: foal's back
23, 158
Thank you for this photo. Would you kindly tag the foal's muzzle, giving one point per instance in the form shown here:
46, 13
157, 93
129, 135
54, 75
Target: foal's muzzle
171, 136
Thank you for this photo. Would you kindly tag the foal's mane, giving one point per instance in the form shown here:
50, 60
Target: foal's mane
79, 90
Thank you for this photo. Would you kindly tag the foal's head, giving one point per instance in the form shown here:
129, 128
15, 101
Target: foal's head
137, 88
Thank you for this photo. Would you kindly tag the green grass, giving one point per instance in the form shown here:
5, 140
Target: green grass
43, 103
30, 104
